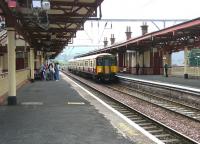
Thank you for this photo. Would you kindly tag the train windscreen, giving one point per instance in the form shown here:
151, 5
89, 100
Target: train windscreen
99, 61
109, 61
106, 61
113, 61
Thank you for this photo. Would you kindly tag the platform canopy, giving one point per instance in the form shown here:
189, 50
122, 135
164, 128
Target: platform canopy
171, 39
52, 29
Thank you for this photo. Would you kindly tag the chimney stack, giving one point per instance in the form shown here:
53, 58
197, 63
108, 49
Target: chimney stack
112, 39
105, 42
128, 32
144, 28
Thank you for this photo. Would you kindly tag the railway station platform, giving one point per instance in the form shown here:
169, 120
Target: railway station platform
59, 112
194, 83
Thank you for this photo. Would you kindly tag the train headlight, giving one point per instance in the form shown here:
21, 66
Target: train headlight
99, 69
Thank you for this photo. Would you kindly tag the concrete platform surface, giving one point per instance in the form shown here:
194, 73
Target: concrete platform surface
53, 112
194, 83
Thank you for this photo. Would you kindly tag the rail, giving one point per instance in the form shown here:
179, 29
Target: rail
151, 125
185, 110
179, 88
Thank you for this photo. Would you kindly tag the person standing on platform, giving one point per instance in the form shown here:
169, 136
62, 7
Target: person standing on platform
42, 71
166, 69
52, 71
57, 68
137, 68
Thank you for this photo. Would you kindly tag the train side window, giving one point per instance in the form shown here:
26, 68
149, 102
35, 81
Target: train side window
86, 63
90, 63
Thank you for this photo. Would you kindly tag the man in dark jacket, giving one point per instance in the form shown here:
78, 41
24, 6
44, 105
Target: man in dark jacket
137, 68
166, 69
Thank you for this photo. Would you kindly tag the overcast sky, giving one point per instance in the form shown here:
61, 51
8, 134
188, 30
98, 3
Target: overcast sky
95, 32
151, 9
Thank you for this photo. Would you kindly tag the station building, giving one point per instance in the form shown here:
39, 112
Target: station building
65, 111
153, 50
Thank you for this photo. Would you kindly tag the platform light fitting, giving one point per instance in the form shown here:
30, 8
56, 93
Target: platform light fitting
12, 3
36, 4
53, 36
41, 4
191, 40
46, 4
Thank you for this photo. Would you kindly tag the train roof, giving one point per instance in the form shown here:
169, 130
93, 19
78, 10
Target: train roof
92, 56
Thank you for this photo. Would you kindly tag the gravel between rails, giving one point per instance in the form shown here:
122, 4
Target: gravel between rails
179, 123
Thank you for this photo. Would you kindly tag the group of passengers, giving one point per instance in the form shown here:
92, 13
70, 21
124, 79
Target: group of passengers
50, 71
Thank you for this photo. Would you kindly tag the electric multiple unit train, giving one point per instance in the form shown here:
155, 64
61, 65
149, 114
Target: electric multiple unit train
101, 67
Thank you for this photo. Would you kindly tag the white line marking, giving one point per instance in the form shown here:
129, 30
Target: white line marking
150, 136
32, 103
76, 103
163, 84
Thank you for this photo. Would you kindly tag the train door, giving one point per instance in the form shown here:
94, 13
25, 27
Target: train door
99, 65
106, 65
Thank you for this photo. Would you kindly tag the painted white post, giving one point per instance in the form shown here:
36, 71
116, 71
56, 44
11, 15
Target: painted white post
42, 57
32, 63
164, 62
1, 64
185, 63
12, 99
198, 65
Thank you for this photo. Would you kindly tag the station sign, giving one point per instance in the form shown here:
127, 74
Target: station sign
130, 51
36, 4
12, 3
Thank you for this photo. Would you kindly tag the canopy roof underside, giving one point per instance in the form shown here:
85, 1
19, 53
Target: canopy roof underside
53, 29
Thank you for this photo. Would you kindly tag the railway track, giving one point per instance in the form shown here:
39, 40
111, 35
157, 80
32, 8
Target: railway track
179, 108
182, 94
159, 130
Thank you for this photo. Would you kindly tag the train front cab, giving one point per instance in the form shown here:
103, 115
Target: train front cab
106, 68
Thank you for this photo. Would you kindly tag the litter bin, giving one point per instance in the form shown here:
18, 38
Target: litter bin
186, 76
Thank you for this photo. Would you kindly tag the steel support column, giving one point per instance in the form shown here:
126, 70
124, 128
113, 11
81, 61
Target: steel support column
1, 63
186, 63
32, 63
164, 62
169, 62
12, 99
42, 58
